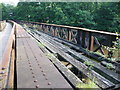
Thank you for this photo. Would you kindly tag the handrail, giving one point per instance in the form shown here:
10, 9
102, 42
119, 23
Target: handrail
77, 28
83, 37
5, 61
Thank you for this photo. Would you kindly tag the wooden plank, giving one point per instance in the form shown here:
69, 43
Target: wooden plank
93, 55
101, 81
85, 70
73, 79
114, 77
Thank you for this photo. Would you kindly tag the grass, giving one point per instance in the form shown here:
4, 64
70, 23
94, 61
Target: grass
41, 45
90, 85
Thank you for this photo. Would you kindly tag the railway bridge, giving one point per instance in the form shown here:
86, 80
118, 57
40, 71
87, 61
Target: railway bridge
40, 55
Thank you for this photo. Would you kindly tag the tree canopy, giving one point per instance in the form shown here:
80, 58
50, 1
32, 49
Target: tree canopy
92, 15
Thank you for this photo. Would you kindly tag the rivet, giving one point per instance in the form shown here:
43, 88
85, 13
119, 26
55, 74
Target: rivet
32, 72
46, 78
49, 83
31, 69
35, 80
40, 67
30, 65
33, 76
44, 74
42, 71
3, 68
37, 86
2, 72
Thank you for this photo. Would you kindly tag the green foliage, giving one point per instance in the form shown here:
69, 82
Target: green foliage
41, 45
115, 51
89, 64
110, 66
92, 15
91, 85
7, 11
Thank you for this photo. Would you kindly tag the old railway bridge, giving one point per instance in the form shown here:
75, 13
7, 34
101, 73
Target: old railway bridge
40, 55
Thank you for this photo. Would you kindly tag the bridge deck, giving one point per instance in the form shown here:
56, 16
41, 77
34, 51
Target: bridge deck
34, 69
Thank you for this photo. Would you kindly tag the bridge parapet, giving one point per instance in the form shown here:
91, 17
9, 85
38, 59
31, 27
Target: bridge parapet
92, 40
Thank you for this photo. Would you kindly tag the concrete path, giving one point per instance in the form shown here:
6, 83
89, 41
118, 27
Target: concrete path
4, 36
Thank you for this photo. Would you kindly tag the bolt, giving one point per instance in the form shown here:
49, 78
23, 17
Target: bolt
3, 68
33, 76
35, 80
49, 83
2, 72
44, 74
37, 86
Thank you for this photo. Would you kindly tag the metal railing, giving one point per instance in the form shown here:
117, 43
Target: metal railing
92, 40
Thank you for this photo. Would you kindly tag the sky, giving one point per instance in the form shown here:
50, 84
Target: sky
13, 2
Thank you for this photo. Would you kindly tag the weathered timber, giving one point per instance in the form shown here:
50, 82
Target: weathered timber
72, 78
99, 80
111, 75
80, 49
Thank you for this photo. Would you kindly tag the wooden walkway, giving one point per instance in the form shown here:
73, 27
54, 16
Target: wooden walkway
34, 69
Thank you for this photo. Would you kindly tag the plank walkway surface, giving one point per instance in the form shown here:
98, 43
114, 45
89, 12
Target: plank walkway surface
34, 69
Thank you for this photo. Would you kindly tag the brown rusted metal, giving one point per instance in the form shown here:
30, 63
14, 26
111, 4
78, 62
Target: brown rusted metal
33, 67
81, 36
92, 43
